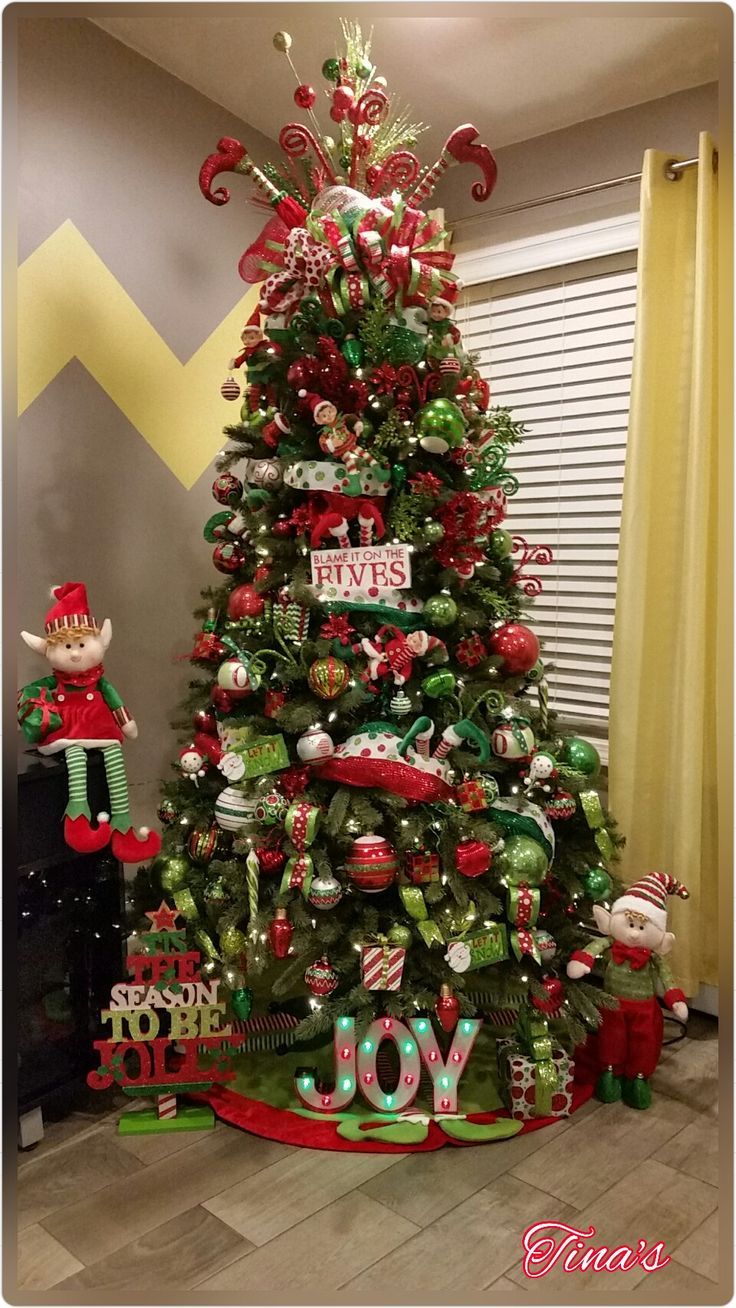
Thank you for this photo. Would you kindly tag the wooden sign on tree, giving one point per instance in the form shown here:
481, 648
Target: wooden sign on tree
160, 1022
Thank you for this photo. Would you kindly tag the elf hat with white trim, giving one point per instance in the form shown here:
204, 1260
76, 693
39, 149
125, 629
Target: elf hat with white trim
649, 896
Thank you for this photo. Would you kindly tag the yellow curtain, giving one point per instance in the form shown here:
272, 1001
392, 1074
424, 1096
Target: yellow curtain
670, 731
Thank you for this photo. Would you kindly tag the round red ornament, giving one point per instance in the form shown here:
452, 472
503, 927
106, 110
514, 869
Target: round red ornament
298, 374
372, 864
473, 858
305, 96
228, 556
555, 995
227, 489
517, 645
222, 700
342, 98
204, 843
245, 602
321, 977
205, 722
447, 1008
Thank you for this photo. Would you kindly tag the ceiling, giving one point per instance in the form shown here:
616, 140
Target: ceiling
516, 71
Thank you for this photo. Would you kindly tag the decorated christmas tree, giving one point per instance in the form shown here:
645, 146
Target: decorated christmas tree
375, 814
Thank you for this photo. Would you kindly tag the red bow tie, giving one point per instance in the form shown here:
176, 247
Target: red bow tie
634, 955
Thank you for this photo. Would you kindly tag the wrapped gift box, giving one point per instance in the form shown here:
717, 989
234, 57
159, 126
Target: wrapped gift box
382, 966
517, 1074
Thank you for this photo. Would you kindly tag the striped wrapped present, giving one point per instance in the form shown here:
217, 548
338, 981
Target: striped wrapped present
262, 1033
382, 966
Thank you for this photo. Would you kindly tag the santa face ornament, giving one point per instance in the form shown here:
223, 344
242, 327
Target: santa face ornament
76, 709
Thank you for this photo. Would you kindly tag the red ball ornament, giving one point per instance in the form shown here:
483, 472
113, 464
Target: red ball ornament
298, 374
281, 527
555, 996
221, 699
305, 96
372, 864
228, 556
342, 98
227, 489
473, 858
447, 1008
205, 721
516, 645
321, 977
280, 933
245, 602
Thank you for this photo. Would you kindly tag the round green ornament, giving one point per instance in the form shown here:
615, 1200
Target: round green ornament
522, 859
500, 543
403, 346
363, 69
536, 674
344, 160
598, 884
581, 755
232, 942
439, 684
433, 532
173, 871
440, 610
331, 70
400, 936
441, 426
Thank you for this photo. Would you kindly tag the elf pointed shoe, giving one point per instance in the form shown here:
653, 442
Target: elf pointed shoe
636, 1092
133, 846
608, 1087
82, 837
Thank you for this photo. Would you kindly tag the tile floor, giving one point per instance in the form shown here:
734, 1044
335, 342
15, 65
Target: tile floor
224, 1217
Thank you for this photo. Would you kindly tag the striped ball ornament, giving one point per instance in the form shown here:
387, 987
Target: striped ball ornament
232, 809
325, 892
328, 677
321, 977
230, 390
372, 864
204, 843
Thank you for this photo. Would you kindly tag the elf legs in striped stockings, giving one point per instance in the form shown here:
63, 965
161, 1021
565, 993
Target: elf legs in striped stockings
79, 834
128, 845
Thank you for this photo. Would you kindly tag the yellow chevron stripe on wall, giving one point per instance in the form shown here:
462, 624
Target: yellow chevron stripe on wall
71, 306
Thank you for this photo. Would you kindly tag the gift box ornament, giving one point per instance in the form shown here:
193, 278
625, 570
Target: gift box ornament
382, 965
478, 949
532, 1089
471, 796
422, 867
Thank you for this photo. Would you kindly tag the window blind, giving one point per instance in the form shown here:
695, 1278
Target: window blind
557, 351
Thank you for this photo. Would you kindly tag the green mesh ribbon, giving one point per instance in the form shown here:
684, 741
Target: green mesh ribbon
535, 1040
413, 901
593, 810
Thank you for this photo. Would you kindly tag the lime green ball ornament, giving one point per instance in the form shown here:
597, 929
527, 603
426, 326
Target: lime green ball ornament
581, 755
501, 543
598, 884
331, 70
440, 610
522, 859
173, 871
400, 936
439, 683
441, 426
433, 532
232, 942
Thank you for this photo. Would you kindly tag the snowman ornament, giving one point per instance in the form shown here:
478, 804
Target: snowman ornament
542, 773
76, 709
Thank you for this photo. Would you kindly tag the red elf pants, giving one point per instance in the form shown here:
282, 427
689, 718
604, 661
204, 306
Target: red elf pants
630, 1037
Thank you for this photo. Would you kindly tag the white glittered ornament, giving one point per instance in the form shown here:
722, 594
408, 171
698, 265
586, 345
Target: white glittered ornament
315, 745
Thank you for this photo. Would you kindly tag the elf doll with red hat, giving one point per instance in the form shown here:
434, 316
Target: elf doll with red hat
633, 948
339, 436
76, 709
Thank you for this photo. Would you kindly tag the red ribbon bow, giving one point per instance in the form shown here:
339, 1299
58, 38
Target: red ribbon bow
635, 955
43, 701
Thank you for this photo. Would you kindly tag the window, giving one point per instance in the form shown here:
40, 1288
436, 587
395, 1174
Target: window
556, 347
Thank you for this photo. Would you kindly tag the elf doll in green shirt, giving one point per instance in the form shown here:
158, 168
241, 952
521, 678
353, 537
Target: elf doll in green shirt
634, 946
75, 709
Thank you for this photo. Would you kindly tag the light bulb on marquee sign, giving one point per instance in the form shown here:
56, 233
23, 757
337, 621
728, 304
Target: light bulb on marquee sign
355, 1065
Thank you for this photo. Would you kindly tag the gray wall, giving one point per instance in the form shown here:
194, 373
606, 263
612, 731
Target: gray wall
114, 143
